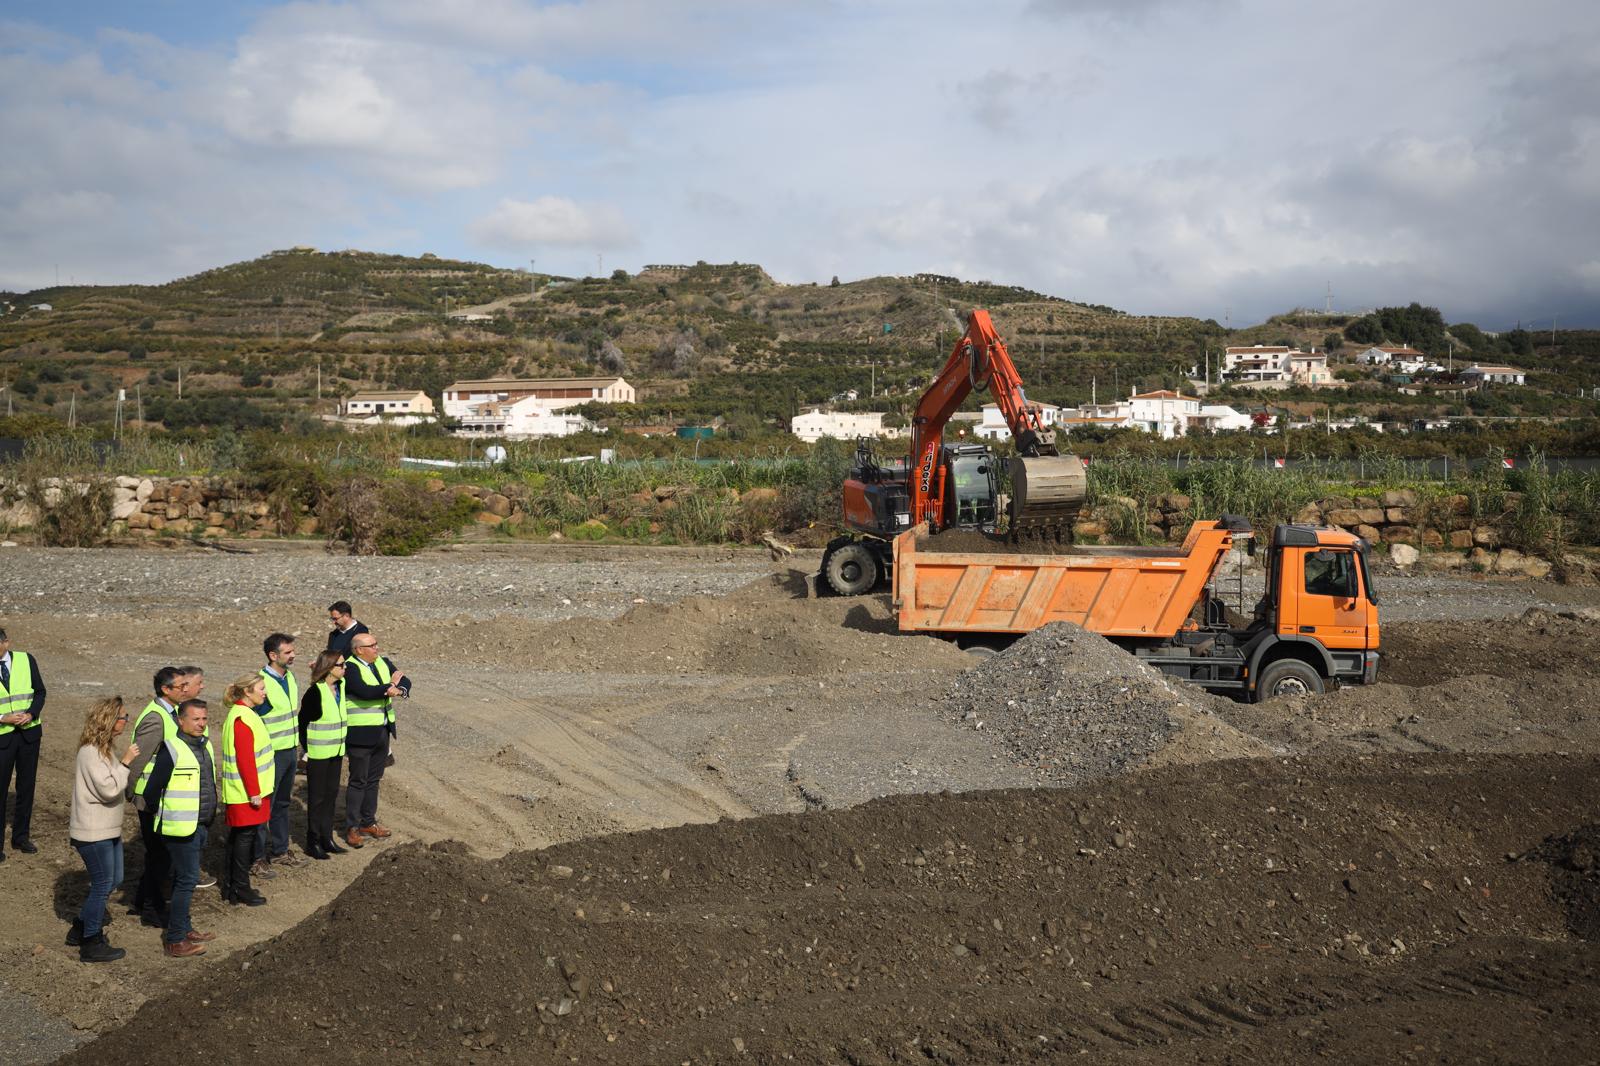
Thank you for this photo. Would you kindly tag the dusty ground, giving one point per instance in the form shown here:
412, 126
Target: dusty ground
616, 690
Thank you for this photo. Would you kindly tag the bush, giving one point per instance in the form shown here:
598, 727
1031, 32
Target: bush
72, 514
370, 516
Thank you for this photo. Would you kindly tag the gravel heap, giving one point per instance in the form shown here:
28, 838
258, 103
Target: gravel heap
1071, 704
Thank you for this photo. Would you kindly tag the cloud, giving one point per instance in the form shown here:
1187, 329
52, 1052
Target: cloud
523, 224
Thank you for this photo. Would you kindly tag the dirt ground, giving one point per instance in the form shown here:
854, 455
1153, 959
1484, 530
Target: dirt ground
821, 879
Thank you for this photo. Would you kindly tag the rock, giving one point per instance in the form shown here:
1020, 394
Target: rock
1309, 515
561, 872
1480, 559
1431, 538
1088, 528
1369, 534
1399, 534
1403, 556
1399, 498
145, 490
1372, 516
155, 521
434, 484
1366, 503
1396, 516
1486, 536
124, 510
1535, 567
1461, 539
487, 518
1344, 517
1458, 504
125, 482
305, 527
497, 504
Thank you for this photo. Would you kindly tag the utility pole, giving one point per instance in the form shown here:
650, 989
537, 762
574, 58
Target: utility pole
533, 278
138, 402
599, 265
319, 382
180, 381
72, 409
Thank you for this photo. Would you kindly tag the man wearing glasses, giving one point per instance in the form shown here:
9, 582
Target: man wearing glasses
371, 686
21, 704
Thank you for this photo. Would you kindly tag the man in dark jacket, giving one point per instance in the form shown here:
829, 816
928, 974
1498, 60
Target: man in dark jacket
181, 939
371, 685
345, 627
21, 705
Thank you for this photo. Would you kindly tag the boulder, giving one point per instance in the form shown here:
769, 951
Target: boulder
124, 510
1461, 539
434, 484
1398, 516
1399, 498
1486, 536
138, 520
1176, 503
1368, 534
1399, 534
1372, 516
1344, 517
1458, 504
1364, 503
145, 490
1444, 561
195, 510
125, 482
1432, 539
1480, 559
497, 504
1536, 567
488, 518
1337, 503
1088, 528
305, 527
1309, 515
1403, 556
215, 518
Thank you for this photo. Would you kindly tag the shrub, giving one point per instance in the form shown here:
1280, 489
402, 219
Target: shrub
72, 514
371, 516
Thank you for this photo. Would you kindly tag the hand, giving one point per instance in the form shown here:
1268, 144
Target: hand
131, 754
255, 802
393, 690
16, 718
398, 675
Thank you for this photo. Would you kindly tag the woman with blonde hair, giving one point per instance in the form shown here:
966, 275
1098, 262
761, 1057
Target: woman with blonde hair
247, 778
95, 825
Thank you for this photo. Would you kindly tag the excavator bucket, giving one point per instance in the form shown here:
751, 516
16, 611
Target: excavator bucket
1047, 492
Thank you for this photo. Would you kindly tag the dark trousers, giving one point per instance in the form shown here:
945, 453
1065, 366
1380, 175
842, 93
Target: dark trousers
274, 835
185, 853
240, 853
21, 756
152, 891
361, 791
322, 790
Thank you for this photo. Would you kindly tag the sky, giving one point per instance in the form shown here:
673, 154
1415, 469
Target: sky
1229, 159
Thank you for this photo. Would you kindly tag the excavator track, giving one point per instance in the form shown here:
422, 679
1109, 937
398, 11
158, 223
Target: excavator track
1047, 493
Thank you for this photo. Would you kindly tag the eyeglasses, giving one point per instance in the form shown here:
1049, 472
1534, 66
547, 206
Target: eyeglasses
122, 718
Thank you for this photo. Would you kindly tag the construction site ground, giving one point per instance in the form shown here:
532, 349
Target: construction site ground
667, 805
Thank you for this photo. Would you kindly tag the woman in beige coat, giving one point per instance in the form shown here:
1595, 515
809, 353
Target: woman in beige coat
96, 823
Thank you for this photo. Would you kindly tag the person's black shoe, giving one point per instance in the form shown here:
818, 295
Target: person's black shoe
26, 846
333, 847
154, 918
249, 898
315, 851
99, 949
75, 934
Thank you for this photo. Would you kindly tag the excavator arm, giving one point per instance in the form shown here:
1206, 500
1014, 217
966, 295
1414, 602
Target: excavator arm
1047, 488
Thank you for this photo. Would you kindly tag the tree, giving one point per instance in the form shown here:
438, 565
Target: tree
834, 284
619, 275
1333, 341
1365, 330
610, 358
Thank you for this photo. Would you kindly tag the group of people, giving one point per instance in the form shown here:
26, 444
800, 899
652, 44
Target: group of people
178, 772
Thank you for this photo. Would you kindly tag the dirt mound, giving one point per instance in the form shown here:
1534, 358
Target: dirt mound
1540, 642
1575, 862
972, 541
1279, 907
1072, 704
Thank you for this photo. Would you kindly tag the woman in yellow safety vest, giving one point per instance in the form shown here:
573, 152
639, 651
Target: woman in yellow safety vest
247, 779
322, 729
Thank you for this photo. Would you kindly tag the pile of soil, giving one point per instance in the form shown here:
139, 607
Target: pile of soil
973, 541
1575, 862
1262, 911
1072, 704
1540, 643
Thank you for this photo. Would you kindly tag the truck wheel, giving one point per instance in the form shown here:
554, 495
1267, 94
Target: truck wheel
850, 569
1288, 677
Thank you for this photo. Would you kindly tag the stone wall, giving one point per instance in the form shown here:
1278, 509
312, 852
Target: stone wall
200, 506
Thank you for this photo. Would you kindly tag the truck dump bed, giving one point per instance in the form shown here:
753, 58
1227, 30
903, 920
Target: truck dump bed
1117, 593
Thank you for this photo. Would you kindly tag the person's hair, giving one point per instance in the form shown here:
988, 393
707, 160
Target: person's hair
166, 677
241, 685
324, 666
190, 671
100, 727
188, 705
2, 632
341, 607
274, 643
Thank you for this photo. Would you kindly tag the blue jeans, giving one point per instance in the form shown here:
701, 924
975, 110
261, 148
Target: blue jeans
273, 837
185, 855
103, 860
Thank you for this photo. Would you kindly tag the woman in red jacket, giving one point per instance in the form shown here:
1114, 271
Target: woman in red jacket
246, 784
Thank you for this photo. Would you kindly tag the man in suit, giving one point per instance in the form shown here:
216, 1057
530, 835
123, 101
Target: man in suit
21, 705
345, 627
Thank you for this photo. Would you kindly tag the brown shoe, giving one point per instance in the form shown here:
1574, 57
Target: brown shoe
183, 949
375, 831
286, 859
353, 838
197, 937
263, 870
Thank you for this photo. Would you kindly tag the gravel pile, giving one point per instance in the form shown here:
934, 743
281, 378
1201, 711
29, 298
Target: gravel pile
1071, 704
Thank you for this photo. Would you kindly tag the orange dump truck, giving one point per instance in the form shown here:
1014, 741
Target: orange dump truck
1317, 624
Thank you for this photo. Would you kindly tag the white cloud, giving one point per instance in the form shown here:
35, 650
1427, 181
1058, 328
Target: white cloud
523, 224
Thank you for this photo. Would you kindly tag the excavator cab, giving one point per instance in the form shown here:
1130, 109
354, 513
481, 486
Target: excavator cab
974, 488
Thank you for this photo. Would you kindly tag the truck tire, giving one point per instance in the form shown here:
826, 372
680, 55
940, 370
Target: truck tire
1288, 677
850, 569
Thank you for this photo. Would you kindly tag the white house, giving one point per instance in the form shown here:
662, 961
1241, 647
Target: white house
814, 424
1220, 418
402, 402
1494, 375
1275, 364
553, 393
1379, 355
1163, 412
526, 419
992, 425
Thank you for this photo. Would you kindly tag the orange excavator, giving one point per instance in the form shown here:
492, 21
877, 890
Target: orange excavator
955, 485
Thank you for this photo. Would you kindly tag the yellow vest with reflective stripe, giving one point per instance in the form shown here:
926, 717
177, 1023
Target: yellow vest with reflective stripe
232, 783
325, 733
282, 717
18, 695
179, 813
169, 732
370, 712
